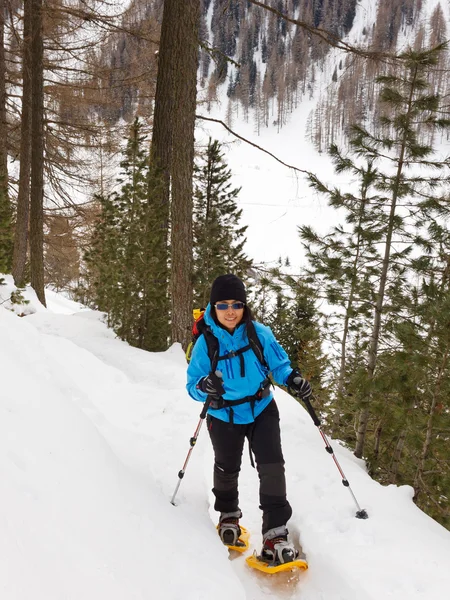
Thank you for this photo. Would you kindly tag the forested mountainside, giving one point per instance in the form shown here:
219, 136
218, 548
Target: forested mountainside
268, 64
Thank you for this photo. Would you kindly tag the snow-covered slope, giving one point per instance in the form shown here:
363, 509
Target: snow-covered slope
92, 436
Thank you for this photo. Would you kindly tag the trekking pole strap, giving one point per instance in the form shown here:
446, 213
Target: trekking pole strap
205, 407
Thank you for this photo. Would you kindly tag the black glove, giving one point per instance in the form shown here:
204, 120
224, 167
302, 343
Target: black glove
298, 385
211, 385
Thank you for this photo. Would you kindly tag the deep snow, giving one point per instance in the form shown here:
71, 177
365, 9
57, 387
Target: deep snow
92, 436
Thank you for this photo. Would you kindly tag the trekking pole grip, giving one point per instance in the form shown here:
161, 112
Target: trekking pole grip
208, 399
312, 412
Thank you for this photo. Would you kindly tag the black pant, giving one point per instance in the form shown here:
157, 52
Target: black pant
265, 442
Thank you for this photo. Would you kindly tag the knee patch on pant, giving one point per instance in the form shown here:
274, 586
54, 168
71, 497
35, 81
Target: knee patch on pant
223, 480
272, 479
226, 490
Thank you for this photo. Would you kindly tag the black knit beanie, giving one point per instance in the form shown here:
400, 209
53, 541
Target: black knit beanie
227, 287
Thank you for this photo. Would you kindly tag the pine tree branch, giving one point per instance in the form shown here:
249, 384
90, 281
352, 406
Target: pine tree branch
328, 37
213, 51
203, 118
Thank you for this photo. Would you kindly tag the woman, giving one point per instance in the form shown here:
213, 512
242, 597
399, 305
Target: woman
243, 407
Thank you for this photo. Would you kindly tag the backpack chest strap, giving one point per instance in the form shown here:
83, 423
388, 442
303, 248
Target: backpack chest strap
239, 353
263, 392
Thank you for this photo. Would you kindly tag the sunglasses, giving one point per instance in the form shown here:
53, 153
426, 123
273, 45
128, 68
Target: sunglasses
225, 306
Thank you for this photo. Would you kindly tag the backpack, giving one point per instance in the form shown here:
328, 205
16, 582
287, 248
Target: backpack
201, 328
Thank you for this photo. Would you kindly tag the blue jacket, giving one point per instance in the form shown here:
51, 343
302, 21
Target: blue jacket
236, 386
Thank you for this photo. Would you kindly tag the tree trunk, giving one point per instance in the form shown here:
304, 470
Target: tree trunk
375, 335
393, 471
3, 147
37, 153
5, 208
23, 198
156, 285
161, 148
185, 95
376, 449
349, 305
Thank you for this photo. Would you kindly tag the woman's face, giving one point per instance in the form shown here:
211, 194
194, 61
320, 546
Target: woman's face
231, 317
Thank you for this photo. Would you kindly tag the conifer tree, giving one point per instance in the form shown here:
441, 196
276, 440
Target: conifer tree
393, 356
410, 109
120, 259
429, 329
344, 260
288, 305
219, 238
295, 322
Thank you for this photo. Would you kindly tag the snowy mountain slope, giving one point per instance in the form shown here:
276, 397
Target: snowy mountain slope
274, 198
92, 436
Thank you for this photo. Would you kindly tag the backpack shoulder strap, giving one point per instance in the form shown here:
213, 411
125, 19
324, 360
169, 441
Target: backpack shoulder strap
255, 343
212, 344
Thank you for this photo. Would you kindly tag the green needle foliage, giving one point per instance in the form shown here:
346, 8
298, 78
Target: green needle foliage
123, 259
219, 237
288, 305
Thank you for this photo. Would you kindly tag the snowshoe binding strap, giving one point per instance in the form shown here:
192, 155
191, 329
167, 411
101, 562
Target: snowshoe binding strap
277, 549
229, 531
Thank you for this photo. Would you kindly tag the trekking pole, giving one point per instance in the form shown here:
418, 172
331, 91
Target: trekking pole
193, 441
361, 513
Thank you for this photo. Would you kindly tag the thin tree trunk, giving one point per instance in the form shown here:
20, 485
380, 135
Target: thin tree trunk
375, 335
37, 153
349, 307
206, 234
128, 259
186, 40
378, 432
393, 471
23, 198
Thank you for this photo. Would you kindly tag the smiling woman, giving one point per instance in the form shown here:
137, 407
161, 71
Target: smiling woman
241, 405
